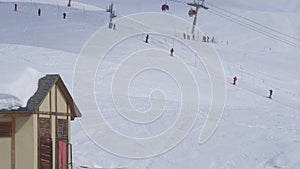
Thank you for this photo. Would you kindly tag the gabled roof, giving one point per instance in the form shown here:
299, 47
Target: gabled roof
44, 86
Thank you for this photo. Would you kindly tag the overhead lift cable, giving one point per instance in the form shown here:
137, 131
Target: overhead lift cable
257, 27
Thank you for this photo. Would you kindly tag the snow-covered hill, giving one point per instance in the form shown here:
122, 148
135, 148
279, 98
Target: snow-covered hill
257, 41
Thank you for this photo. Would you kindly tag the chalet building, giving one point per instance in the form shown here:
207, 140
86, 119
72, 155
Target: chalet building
39, 135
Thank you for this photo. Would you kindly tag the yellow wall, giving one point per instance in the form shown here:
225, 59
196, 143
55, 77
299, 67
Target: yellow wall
5, 153
26, 141
61, 103
45, 106
35, 140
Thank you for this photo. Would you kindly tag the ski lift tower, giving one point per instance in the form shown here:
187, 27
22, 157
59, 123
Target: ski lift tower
198, 6
112, 14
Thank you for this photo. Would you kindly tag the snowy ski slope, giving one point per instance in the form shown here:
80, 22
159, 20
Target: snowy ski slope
254, 132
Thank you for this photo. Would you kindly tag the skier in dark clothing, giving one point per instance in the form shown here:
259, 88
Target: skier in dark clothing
39, 12
204, 39
64, 15
172, 51
147, 38
16, 7
271, 92
234, 80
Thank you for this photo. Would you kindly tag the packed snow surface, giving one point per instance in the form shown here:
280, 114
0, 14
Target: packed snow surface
257, 41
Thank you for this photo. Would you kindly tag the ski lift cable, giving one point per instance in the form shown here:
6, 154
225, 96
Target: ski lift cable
278, 37
268, 34
179, 1
252, 27
250, 20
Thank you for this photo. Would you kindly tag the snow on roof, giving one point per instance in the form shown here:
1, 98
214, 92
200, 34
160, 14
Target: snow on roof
17, 86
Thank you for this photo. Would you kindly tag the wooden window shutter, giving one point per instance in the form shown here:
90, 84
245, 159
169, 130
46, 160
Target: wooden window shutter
5, 129
62, 128
45, 127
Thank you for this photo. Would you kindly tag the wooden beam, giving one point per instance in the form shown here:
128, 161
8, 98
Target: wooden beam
68, 139
55, 141
50, 98
55, 98
15, 114
38, 137
55, 113
13, 142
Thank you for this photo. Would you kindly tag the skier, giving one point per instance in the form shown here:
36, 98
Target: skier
213, 40
16, 7
147, 38
204, 39
39, 12
184, 36
172, 51
64, 15
271, 92
234, 80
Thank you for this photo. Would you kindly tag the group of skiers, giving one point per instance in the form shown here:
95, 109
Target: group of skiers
205, 38
39, 12
185, 36
147, 41
270, 91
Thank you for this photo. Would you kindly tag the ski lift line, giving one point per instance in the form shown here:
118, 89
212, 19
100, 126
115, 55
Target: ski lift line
274, 30
249, 26
282, 39
259, 31
249, 20
178, 1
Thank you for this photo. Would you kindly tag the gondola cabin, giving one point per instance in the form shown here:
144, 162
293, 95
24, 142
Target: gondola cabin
165, 7
38, 136
191, 12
